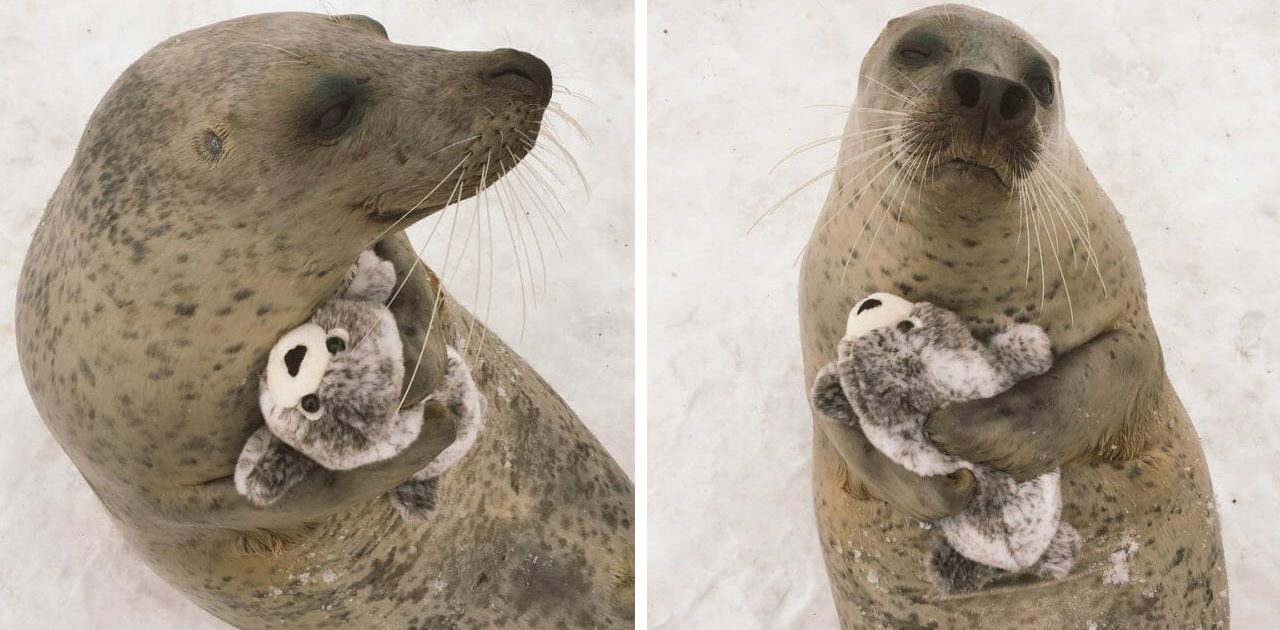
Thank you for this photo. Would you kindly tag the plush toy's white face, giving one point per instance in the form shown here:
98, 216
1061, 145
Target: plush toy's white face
297, 364
879, 310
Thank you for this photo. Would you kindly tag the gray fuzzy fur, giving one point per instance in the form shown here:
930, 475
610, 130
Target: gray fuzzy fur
891, 379
360, 421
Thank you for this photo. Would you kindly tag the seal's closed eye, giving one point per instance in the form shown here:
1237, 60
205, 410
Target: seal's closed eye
868, 304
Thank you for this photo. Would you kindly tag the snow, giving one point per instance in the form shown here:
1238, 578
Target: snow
60, 557
1118, 571
1177, 120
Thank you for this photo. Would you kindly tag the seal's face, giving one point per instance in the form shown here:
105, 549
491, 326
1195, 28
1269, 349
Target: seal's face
966, 101
320, 122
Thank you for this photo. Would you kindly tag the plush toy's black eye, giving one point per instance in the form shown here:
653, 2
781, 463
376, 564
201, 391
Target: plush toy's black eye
868, 304
311, 403
293, 359
906, 325
335, 345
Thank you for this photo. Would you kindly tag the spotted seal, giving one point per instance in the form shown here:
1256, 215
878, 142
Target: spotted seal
220, 192
958, 184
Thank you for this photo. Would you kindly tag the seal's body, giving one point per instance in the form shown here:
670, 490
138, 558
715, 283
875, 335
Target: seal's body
221, 191
959, 185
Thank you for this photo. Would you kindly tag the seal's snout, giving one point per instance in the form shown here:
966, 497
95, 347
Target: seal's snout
989, 103
521, 71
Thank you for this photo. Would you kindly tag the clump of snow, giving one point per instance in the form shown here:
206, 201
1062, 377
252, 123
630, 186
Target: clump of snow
1118, 571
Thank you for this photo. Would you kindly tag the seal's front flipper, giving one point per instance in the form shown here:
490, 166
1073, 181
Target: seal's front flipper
267, 468
954, 573
414, 499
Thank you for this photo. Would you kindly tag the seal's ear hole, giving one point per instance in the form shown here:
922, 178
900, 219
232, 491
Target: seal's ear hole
868, 304
906, 325
211, 144
335, 344
293, 359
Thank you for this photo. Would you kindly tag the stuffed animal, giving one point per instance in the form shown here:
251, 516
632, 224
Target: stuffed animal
331, 394
897, 363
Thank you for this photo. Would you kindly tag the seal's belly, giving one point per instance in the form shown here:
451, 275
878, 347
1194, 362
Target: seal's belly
1151, 554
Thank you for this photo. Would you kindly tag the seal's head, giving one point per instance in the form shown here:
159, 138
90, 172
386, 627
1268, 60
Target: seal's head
966, 101
318, 124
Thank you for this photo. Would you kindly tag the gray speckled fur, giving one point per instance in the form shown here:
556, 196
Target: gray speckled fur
891, 379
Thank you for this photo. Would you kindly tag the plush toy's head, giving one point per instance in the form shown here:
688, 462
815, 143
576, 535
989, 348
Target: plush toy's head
298, 363
880, 310
321, 373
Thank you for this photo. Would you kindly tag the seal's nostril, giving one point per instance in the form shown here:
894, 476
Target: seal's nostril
968, 87
522, 71
1015, 102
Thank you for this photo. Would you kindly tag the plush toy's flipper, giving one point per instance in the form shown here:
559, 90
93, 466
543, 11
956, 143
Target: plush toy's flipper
954, 573
1021, 352
415, 499
1058, 559
828, 397
267, 468
374, 279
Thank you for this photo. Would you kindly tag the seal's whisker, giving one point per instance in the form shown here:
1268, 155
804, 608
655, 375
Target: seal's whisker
424, 198
545, 210
1041, 200
502, 207
886, 160
286, 51
539, 204
1035, 222
919, 90
909, 102
537, 243
475, 221
809, 146
569, 161
514, 196
456, 189
555, 108
885, 112
535, 160
876, 207
1083, 218
812, 181
560, 89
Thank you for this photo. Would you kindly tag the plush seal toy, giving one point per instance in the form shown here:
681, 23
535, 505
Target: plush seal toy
899, 362
331, 396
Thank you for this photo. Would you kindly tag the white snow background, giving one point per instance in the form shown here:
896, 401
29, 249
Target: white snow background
62, 563
1174, 107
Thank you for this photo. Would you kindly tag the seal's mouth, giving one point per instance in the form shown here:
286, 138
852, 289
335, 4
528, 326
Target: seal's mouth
961, 167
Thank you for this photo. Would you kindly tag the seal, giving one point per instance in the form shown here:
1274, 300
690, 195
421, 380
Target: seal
220, 192
958, 184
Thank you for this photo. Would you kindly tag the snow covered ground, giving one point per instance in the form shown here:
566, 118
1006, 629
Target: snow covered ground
62, 564
1173, 105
